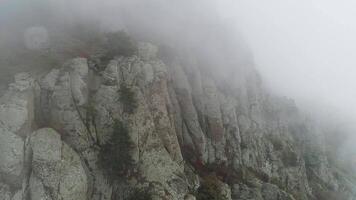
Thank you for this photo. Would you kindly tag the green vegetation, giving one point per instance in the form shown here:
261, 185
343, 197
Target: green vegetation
91, 113
210, 189
243, 145
120, 43
89, 42
89, 38
250, 172
329, 195
247, 176
276, 142
115, 156
299, 195
290, 158
312, 158
140, 194
128, 98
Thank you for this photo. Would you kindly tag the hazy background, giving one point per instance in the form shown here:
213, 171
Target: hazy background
304, 49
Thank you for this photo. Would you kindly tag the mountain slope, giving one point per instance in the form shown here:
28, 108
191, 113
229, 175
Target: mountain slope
188, 128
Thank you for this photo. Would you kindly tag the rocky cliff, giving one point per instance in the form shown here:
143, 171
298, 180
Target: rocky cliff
189, 129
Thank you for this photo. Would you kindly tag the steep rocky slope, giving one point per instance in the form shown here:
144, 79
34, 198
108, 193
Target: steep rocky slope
186, 125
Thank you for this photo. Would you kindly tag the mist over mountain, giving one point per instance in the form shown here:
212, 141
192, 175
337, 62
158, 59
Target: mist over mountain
177, 100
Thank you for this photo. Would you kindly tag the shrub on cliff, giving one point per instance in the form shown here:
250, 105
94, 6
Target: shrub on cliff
329, 195
210, 189
289, 158
276, 142
120, 43
140, 194
128, 98
115, 156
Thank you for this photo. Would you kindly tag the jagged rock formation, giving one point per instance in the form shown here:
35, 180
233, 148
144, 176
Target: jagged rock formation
187, 124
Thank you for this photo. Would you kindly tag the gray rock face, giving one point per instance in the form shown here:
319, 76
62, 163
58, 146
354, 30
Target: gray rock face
17, 105
157, 151
11, 156
187, 123
16, 122
17, 195
37, 190
5, 193
57, 172
46, 146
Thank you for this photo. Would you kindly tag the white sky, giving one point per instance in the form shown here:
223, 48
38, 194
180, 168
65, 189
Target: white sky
305, 49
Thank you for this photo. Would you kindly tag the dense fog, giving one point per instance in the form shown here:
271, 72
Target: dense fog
305, 50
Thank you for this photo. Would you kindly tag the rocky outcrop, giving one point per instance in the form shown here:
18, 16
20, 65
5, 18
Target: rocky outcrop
16, 123
35, 164
5, 193
57, 171
11, 156
185, 123
17, 105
